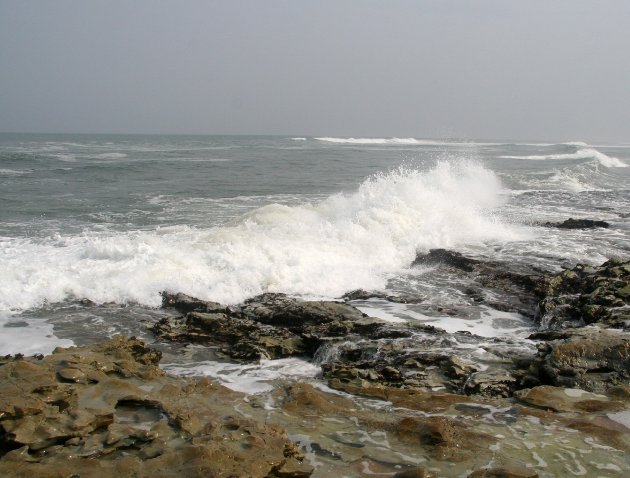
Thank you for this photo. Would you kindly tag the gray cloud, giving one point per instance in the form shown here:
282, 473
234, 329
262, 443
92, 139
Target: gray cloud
477, 69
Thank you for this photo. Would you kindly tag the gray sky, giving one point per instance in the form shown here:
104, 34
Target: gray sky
494, 69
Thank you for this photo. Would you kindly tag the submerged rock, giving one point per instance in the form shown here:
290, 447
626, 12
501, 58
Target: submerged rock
445, 438
562, 399
517, 290
108, 410
504, 472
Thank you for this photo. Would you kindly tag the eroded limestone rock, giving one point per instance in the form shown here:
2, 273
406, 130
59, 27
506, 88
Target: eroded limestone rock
108, 410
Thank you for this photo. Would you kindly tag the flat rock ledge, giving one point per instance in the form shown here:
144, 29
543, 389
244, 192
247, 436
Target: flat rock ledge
109, 410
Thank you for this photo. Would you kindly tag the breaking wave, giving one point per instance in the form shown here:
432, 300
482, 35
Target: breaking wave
584, 153
367, 141
343, 242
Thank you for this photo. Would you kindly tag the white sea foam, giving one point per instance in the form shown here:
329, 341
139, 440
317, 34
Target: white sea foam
251, 378
71, 158
392, 141
341, 243
298, 139
28, 336
584, 153
110, 156
14, 172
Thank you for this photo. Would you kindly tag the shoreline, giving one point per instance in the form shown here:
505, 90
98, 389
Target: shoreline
388, 401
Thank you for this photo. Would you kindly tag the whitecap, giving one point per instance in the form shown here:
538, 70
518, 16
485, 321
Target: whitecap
250, 378
584, 153
384, 141
344, 242
15, 172
110, 156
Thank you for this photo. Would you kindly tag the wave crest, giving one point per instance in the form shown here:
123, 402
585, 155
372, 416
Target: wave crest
583, 153
344, 242
367, 141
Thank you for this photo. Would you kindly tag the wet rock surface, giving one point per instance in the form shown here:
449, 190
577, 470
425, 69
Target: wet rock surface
108, 410
590, 358
266, 326
577, 224
515, 290
586, 295
350, 347
360, 351
127, 417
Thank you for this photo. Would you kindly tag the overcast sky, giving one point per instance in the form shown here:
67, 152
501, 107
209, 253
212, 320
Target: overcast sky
493, 69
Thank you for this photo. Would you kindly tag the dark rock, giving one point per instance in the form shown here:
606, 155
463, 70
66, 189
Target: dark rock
268, 326
361, 294
242, 339
586, 295
577, 224
281, 310
184, 303
444, 256
519, 290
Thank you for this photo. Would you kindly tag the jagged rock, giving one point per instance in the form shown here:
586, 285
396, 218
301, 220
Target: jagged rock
267, 326
361, 294
590, 358
586, 295
184, 303
493, 383
577, 224
449, 258
108, 410
281, 310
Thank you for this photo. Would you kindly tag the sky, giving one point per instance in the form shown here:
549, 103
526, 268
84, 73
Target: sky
478, 69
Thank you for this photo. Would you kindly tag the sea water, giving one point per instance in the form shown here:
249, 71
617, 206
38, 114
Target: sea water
111, 221
93, 228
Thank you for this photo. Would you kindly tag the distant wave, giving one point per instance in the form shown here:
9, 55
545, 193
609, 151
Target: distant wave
393, 141
110, 156
14, 172
298, 139
70, 158
584, 153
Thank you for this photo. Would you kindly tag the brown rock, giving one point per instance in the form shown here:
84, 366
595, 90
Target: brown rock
107, 410
568, 399
444, 437
415, 472
504, 472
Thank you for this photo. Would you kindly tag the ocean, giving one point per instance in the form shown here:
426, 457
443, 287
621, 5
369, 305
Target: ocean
94, 227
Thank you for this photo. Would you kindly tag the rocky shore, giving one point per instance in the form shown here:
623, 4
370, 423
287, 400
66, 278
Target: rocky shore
394, 398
